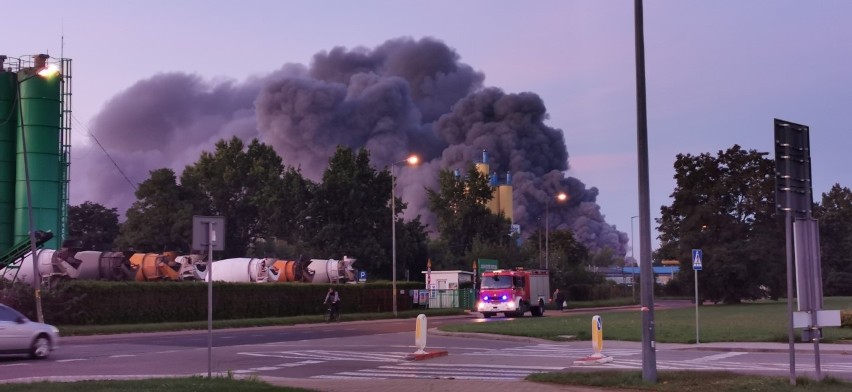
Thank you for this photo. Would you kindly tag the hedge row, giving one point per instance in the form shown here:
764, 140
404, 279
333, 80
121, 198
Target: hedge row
103, 303
604, 291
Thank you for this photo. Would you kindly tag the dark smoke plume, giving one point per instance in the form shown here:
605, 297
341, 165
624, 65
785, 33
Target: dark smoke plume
404, 95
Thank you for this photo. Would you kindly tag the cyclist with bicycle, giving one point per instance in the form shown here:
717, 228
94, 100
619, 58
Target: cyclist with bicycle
332, 298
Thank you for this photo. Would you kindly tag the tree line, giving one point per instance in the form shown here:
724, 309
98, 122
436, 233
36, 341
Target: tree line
272, 210
723, 204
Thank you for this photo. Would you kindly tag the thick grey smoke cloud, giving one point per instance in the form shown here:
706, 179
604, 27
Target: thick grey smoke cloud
403, 96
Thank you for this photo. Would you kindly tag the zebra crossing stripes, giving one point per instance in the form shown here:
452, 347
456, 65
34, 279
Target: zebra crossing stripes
717, 357
333, 355
443, 371
697, 364
276, 367
552, 351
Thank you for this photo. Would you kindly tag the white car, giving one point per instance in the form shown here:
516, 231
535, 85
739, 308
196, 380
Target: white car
19, 335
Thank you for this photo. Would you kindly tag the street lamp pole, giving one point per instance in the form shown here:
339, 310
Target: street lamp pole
635, 264
560, 197
547, 234
649, 355
39, 70
411, 160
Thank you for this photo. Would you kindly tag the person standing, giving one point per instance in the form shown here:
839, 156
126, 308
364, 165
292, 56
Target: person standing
560, 300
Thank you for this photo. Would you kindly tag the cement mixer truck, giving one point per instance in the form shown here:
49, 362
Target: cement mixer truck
53, 264
251, 270
241, 270
93, 265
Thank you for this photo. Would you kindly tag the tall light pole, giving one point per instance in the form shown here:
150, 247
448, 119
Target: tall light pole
411, 160
41, 69
649, 354
635, 264
560, 197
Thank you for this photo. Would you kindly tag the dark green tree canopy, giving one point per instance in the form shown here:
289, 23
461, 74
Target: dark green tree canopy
245, 184
460, 206
835, 231
350, 215
157, 220
93, 225
248, 185
724, 205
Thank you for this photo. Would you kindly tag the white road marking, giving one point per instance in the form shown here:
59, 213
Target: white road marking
717, 356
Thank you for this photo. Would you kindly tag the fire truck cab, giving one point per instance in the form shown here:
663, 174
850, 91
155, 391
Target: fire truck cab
513, 292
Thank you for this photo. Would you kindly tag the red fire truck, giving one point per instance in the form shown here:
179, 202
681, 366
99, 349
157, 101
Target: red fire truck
513, 292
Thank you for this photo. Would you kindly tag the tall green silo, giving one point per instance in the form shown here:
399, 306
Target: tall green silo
8, 121
40, 120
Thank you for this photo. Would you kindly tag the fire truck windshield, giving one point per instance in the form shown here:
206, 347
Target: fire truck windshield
497, 282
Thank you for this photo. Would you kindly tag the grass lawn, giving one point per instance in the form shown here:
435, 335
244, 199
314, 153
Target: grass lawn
215, 384
81, 330
689, 381
749, 322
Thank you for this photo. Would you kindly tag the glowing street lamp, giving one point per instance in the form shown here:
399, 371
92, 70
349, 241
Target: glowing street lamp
559, 198
411, 160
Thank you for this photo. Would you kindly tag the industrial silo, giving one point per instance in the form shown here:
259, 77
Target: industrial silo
8, 121
40, 124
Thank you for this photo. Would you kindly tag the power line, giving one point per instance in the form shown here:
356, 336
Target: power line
92, 135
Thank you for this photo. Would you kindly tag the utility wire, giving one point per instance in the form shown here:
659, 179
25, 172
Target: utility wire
92, 135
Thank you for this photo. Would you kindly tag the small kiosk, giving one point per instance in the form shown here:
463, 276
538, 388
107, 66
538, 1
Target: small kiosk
442, 288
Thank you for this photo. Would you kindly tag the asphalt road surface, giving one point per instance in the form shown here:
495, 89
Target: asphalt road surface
375, 350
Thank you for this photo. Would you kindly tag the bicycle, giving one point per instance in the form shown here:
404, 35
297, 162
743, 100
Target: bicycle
332, 314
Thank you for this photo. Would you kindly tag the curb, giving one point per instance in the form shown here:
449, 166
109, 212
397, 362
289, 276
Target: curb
798, 350
425, 356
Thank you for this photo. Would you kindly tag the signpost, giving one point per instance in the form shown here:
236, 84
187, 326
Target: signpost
697, 255
794, 198
428, 273
208, 232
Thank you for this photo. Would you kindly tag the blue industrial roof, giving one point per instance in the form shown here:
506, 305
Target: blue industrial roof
665, 270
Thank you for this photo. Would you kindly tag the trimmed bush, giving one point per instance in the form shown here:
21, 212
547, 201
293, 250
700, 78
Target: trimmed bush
101, 303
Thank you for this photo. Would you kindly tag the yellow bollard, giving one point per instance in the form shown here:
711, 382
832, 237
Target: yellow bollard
597, 335
420, 335
597, 356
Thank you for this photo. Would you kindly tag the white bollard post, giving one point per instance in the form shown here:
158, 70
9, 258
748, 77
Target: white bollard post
420, 335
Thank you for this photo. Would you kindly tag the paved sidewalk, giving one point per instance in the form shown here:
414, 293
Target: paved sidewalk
824, 348
421, 385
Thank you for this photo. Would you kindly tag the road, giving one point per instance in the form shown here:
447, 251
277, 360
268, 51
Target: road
375, 350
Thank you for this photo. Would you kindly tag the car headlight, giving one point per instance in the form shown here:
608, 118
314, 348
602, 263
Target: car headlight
511, 305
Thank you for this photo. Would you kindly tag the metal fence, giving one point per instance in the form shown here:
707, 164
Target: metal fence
442, 299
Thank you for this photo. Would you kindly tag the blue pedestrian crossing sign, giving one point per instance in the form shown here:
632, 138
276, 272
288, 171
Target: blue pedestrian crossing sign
696, 259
